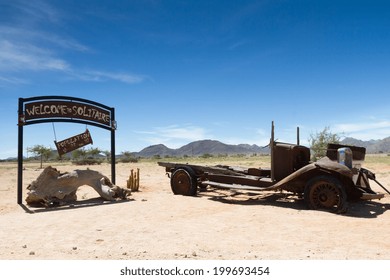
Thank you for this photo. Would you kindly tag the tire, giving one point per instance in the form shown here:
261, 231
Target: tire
184, 182
325, 193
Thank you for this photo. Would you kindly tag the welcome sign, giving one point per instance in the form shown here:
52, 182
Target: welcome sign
66, 109
54, 108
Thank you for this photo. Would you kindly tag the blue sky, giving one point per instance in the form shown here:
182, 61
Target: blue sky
180, 71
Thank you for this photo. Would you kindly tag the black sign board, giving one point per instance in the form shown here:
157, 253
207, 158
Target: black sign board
73, 143
66, 110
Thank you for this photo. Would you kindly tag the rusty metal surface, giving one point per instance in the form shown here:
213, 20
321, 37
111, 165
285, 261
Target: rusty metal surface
291, 170
293, 182
288, 158
296, 181
199, 169
247, 180
235, 186
358, 153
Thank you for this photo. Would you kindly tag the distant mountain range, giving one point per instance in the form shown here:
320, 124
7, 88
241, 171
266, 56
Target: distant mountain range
213, 147
372, 146
202, 147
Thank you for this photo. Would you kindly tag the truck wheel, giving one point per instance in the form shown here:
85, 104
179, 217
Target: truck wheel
183, 181
325, 193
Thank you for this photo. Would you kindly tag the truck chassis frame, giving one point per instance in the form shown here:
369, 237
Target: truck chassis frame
325, 184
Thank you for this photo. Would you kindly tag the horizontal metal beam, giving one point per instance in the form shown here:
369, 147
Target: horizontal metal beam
70, 121
233, 186
69, 98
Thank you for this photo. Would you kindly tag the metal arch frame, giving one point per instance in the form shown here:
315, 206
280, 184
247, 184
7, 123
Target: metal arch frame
21, 123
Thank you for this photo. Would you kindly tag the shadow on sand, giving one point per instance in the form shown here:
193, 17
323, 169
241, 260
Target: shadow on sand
356, 209
98, 201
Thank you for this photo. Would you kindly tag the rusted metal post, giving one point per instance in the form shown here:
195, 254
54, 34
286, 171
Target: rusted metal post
113, 162
272, 145
20, 150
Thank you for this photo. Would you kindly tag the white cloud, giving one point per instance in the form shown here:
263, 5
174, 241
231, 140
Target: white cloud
174, 136
237, 45
38, 11
28, 57
355, 127
257, 137
121, 77
11, 80
22, 35
373, 129
18, 57
27, 47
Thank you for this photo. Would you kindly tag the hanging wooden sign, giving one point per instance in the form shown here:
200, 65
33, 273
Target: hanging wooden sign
73, 143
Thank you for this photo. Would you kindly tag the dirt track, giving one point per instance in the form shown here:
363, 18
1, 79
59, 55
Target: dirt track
155, 224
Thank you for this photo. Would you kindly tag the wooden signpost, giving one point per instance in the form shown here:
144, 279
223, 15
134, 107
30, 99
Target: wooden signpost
42, 109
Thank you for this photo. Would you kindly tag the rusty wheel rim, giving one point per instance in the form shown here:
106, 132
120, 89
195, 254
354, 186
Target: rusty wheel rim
181, 182
325, 195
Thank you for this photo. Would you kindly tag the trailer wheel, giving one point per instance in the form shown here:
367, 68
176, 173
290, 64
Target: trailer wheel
183, 181
325, 193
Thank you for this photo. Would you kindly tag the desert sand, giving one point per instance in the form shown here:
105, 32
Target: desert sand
154, 224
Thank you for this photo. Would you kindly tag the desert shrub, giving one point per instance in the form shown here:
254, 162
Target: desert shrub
207, 155
320, 140
87, 161
128, 159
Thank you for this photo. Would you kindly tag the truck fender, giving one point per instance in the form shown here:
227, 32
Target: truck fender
296, 181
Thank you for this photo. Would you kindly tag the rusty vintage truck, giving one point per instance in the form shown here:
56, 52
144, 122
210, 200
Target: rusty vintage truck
327, 184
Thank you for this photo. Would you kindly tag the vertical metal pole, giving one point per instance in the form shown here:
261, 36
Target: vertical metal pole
298, 141
272, 145
113, 128
20, 152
